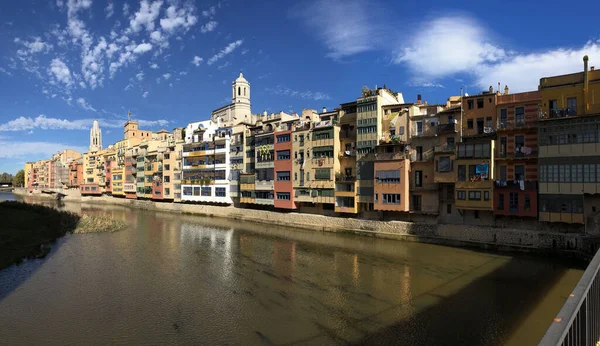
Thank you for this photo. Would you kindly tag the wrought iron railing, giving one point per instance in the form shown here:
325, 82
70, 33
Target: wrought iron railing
578, 322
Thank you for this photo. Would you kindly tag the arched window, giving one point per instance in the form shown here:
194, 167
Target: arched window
244, 91
239, 91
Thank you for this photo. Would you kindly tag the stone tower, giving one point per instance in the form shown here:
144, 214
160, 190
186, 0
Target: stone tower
240, 89
95, 137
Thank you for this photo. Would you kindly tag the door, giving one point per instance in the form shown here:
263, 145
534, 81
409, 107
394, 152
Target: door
416, 202
503, 142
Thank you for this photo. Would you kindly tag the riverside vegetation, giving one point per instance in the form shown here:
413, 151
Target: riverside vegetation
29, 229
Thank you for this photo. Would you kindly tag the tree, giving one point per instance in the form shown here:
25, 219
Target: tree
5, 178
19, 179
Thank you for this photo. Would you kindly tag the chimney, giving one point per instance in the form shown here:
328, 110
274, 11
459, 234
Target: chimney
585, 84
506, 90
419, 98
324, 110
591, 68
491, 89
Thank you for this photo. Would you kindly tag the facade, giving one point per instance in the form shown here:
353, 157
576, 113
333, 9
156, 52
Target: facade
130, 171
76, 173
283, 186
445, 161
569, 163
346, 200
515, 189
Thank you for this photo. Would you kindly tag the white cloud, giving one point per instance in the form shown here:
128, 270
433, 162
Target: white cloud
152, 123
522, 72
344, 37
145, 94
142, 48
154, 66
208, 27
307, 95
126, 9
447, 46
166, 76
92, 64
140, 76
33, 47
13, 149
44, 123
244, 51
158, 38
129, 86
220, 67
455, 45
109, 10
183, 17
227, 50
83, 103
210, 12
145, 17
183, 73
197, 60
3, 70
60, 72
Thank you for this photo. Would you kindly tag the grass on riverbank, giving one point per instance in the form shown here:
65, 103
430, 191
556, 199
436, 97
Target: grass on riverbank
96, 223
28, 229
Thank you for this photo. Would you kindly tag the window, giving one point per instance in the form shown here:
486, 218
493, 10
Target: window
519, 172
474, 195
503, 118
167, 179
513, 201
448, 208
296, 176
520, 116
476, 214
167, 167
552, 106
501, 201
472, 171
206, 191
572, 105
461, 195
470, 104
419, 127
283, 155
527, 203
479, 103
220, 192
589, 173
418, 178
444, 164
519, 143
322, 174
167, 191
486, 195
503, 173
390, 198
283, 138
283, 196
283, 176
307, 176
488, 122
196, 190
462, 172
187, 190
388, 176
469, 123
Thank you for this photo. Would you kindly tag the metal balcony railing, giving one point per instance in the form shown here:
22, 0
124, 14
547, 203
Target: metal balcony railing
578, 322
446, 147
447, 128
390, 156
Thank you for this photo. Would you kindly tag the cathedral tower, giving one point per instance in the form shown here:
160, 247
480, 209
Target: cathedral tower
95, 137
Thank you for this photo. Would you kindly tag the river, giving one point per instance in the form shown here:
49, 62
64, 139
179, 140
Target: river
182, 279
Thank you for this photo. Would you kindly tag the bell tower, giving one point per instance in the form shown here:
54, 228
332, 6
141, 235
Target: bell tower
95, 137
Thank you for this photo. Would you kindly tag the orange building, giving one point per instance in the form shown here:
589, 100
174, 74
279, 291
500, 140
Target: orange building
284, 190
392, 178
75, 173
515, 190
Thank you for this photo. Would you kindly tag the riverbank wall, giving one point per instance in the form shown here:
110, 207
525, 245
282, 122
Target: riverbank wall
578, 245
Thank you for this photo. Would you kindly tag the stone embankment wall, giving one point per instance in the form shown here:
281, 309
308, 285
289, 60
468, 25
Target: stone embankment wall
572, 244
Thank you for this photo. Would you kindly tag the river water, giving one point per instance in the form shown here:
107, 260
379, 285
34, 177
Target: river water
181, 279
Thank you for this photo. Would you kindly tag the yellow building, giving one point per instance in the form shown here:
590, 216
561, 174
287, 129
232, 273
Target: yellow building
346, 200
569, 143
28, 174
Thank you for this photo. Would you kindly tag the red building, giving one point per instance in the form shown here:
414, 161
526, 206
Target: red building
75, 173
157, 181
284, 191
516, 157
109, 164
129, 184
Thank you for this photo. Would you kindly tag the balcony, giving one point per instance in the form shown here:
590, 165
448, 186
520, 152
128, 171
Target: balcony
520, 153
322, 162
445, 148
558, 113
426, 156
392, 140
347, 153
426, 130
390, 156
345, 178
504, 124
347, 134
447, 128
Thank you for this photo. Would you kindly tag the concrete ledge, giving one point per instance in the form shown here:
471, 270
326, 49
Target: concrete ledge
489, 238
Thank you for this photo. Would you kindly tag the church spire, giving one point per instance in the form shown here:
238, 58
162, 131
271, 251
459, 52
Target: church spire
95, 137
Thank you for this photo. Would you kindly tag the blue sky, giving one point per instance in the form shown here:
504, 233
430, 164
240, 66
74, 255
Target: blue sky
64, 63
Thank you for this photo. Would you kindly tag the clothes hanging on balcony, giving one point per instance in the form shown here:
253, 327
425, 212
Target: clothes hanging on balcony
522, 184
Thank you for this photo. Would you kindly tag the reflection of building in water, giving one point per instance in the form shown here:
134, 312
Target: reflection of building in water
284, 257
219, 240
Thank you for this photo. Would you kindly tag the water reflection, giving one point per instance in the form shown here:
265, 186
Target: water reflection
173, 279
